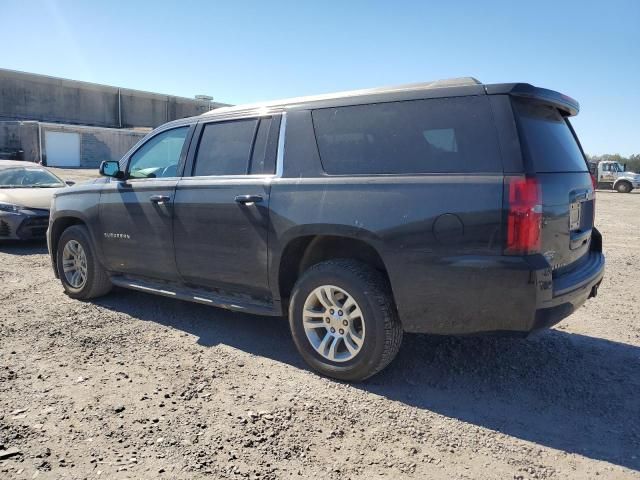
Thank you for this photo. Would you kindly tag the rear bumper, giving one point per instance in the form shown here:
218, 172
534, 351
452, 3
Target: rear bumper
495, 294
570, 292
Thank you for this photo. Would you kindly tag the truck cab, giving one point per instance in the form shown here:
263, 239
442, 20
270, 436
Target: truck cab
613, 175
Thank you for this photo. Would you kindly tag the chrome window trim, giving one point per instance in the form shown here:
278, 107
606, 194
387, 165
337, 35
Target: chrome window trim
280, 152
255, 176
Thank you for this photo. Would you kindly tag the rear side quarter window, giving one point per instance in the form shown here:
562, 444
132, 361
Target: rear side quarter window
446, 135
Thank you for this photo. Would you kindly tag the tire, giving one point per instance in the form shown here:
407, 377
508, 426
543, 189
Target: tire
96, 280
373, 322
623, 187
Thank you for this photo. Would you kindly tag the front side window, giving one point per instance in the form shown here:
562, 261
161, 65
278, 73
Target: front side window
159, 157
445, 135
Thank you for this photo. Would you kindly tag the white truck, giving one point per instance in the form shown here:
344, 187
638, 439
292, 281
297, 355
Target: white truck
612, 175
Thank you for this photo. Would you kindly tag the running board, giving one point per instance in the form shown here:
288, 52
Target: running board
198, 296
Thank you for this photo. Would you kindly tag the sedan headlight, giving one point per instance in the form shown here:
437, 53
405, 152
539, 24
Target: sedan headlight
10, 207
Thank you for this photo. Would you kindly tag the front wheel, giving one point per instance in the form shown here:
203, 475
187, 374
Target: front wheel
623, 187
81, 274
343, 320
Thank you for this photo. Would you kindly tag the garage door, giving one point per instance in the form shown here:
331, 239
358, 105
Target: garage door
62, 149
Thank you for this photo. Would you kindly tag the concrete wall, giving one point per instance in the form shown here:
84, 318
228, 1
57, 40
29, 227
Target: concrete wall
96, 144
19, 136
27, 96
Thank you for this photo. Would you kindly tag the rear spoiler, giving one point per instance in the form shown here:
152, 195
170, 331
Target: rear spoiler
566, 104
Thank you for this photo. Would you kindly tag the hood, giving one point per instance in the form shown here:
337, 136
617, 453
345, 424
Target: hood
29, 197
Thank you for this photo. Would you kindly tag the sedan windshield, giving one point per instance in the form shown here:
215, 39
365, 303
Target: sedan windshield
28, 177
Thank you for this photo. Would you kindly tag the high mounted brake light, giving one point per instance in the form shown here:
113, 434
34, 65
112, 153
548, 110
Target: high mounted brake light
524, 217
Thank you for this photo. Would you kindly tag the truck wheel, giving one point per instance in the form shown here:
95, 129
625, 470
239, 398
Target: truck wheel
343, 320
82, 275
623, 187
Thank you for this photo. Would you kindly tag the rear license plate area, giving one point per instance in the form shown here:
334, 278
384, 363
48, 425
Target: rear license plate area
575, 216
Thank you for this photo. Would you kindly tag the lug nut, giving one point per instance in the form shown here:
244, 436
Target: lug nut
332, 311
341, 331
345, 323
340, 312
333, 330
328, 320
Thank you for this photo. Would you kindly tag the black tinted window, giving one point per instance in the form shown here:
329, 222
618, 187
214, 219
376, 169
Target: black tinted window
259, 155
547, 139
449, 135
225, 148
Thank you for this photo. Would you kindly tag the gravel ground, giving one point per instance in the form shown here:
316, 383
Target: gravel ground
138, 386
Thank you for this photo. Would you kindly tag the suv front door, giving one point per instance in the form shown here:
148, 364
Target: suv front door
222, 207
136, 213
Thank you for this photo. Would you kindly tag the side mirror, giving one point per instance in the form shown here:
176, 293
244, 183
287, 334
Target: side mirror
111, 168
70, 183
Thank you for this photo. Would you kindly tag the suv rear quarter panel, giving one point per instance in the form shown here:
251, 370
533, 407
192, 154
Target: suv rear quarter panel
439, 235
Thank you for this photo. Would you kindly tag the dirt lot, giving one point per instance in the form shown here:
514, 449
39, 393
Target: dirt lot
137, 386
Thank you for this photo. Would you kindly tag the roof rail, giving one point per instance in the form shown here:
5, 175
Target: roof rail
451, 82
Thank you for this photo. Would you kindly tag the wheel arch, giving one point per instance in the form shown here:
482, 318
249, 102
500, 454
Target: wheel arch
302, 251
57, 227
623, 180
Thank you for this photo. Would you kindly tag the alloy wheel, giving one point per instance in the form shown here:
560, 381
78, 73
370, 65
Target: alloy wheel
333, 323
74, 264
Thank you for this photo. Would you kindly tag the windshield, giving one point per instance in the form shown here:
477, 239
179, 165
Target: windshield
28, 177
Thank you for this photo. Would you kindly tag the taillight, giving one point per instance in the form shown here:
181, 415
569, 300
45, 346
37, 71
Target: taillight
594, 182
524, 218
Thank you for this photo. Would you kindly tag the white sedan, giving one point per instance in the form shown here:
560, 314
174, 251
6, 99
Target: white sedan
26, 190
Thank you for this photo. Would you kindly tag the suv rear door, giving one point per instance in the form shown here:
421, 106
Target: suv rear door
554, 156
222, 206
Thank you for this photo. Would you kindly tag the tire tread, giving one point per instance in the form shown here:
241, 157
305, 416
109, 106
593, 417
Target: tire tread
100, 281
376, 285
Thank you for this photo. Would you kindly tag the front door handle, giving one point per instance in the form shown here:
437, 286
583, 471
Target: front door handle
159, 199
245, 199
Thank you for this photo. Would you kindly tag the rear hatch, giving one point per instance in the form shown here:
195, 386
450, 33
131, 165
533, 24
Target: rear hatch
555, 159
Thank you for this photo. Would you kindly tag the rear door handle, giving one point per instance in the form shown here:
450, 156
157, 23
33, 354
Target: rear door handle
248, 199
159, 198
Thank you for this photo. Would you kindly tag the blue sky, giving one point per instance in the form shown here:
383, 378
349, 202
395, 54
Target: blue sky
241, 51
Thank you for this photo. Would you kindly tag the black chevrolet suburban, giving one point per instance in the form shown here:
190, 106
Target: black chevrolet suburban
450, 207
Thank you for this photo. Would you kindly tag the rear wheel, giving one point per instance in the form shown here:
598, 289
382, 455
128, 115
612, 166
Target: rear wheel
80, 272
623, 187
343, 320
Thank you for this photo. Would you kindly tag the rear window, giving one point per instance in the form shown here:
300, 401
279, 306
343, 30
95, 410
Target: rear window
547, 139
447, 135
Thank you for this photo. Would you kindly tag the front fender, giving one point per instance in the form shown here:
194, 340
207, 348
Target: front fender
78, 207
